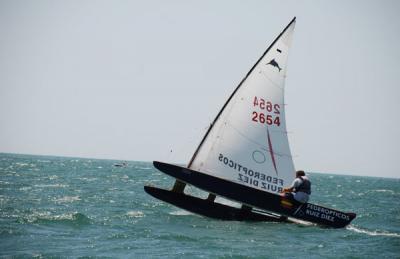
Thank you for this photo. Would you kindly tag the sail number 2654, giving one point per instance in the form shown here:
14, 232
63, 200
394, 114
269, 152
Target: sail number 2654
269, 113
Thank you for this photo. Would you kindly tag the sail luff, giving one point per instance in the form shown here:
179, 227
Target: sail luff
234, 92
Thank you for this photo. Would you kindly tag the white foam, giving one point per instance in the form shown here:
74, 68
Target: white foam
46, 215
21, 164
68, 199
57, 185
44, 161
88, 179
389, 191
135, 214
372, 233
143, 168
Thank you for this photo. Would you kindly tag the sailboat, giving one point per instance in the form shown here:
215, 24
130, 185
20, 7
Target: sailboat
245, 155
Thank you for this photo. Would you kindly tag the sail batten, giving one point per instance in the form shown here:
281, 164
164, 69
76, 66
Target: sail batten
247, 142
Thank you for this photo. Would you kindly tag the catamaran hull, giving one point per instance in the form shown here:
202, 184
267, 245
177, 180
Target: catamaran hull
252, 197
207, 208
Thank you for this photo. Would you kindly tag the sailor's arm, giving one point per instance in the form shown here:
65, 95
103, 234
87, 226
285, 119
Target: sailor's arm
289, 189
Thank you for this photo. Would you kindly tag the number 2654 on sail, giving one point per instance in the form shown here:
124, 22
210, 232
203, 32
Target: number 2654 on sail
267, 107
268, 119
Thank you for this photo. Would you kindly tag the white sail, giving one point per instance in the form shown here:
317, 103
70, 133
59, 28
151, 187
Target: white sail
248, 142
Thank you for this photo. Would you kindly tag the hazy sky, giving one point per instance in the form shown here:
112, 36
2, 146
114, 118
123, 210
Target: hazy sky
136, 79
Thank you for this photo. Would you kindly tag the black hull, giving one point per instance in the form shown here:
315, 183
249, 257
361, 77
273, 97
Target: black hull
207, 208
256, 198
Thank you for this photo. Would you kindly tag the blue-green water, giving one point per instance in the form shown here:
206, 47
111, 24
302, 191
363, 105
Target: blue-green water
72, 207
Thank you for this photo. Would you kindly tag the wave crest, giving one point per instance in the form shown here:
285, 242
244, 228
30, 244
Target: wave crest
372, 233
75, 218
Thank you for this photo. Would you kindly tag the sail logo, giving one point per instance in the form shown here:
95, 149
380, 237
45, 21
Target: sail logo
325, 213
274, 64
258, 157
253, 178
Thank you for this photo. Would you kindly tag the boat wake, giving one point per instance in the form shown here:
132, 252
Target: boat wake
372, 233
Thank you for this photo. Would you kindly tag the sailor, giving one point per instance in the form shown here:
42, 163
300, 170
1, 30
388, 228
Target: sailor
300, 189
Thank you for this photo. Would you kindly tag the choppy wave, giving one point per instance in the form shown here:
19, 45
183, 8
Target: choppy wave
46, 212
25, 188
143, 167
57, 185
384, 191
135, 214
43, 161
372, 233
74, 218
21, 164
67, 199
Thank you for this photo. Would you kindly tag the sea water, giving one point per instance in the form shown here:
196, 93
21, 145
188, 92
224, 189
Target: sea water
75, 207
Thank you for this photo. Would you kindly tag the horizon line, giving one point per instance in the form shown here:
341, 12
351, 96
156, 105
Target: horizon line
182, 163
